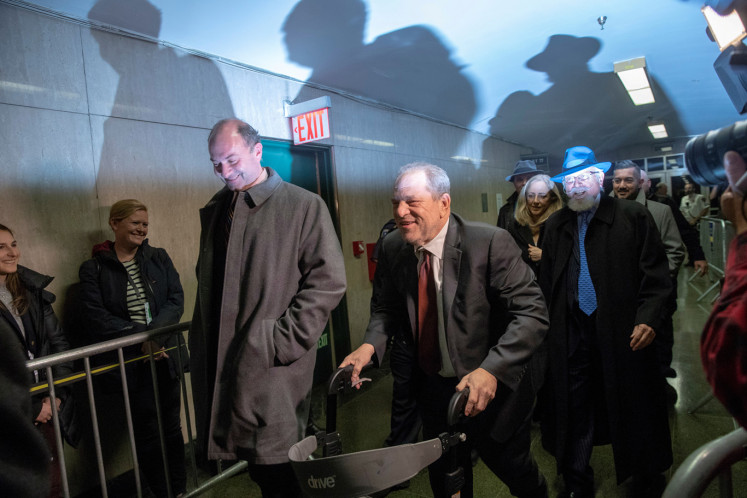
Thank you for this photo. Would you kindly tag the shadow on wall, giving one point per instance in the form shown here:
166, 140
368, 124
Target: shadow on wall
409, 68
165, 103
581, 107
153, 140
159, 93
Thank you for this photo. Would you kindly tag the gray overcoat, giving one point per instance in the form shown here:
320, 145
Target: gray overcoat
284, 274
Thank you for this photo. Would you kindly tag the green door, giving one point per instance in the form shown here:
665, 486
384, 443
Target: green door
310, 167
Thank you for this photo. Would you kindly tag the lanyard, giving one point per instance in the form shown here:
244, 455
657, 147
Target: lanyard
146, 304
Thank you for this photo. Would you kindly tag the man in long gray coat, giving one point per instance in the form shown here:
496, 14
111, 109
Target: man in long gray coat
270, 271
628, 184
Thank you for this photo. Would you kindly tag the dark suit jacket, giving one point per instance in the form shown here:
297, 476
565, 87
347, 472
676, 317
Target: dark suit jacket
494, 314
506, 213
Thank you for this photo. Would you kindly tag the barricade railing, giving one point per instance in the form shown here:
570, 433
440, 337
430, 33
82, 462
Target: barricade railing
711, 460
85, 353
715, 236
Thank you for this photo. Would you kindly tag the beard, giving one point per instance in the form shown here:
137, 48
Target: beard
580, 204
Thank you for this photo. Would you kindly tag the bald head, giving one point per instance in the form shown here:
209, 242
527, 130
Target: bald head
247, 132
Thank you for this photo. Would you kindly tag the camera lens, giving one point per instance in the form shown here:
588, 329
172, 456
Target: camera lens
704, 154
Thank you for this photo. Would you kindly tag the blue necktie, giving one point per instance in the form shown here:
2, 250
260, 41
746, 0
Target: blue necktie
587, 297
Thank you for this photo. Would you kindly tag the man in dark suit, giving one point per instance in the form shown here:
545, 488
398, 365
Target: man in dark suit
605, 277
472, 314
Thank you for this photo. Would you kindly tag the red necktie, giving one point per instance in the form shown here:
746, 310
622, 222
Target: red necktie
429, 356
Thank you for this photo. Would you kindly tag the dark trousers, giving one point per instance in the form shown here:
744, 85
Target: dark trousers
145, 422
275, 481
584, 375
587, 416
510, 460
55, 477
405, 418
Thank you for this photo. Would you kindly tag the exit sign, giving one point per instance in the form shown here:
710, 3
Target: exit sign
310, 126
539, 159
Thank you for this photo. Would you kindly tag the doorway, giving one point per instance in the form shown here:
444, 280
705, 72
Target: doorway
310, 167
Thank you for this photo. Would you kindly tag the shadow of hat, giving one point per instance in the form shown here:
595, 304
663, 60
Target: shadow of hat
564, 50
523, 167
579, 158
140, 16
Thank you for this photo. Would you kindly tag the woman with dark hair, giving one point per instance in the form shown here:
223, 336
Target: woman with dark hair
130, 287
26, 313
538, 199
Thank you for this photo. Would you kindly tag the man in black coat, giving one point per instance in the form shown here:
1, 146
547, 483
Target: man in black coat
605, 277
481, 326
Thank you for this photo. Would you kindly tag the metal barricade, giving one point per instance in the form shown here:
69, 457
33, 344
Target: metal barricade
711, 460
715, 236
85, 353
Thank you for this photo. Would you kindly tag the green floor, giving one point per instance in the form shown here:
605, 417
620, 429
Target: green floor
363, 421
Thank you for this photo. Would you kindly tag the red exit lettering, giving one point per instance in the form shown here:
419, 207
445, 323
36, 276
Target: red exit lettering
311, 126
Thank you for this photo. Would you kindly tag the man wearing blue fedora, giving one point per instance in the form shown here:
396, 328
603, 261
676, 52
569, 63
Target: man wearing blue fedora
605, 279
523, 171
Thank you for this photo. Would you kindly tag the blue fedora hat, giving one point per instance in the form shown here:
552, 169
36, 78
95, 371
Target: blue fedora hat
579, 158
523, 167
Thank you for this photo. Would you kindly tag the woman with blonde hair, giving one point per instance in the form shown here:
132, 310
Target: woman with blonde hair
129, 287
538, 199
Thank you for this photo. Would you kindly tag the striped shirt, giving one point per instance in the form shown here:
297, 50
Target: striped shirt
136, 299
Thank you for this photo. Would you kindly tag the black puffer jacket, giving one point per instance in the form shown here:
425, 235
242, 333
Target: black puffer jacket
50, 339
103, 297
23, 451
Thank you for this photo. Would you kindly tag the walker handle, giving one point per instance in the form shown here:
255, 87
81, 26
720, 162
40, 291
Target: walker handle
457, 403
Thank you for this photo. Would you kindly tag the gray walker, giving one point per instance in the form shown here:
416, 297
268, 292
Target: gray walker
359, 474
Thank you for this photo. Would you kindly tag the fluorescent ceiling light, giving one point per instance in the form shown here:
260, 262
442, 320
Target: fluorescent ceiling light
633, 79
726, 30
632, 73
666, 148
657, 129
642, 96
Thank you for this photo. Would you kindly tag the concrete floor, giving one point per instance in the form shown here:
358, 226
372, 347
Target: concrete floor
363, 420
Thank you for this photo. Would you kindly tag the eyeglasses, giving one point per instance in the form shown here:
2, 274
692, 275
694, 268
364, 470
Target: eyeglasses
537, 197
579, 178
